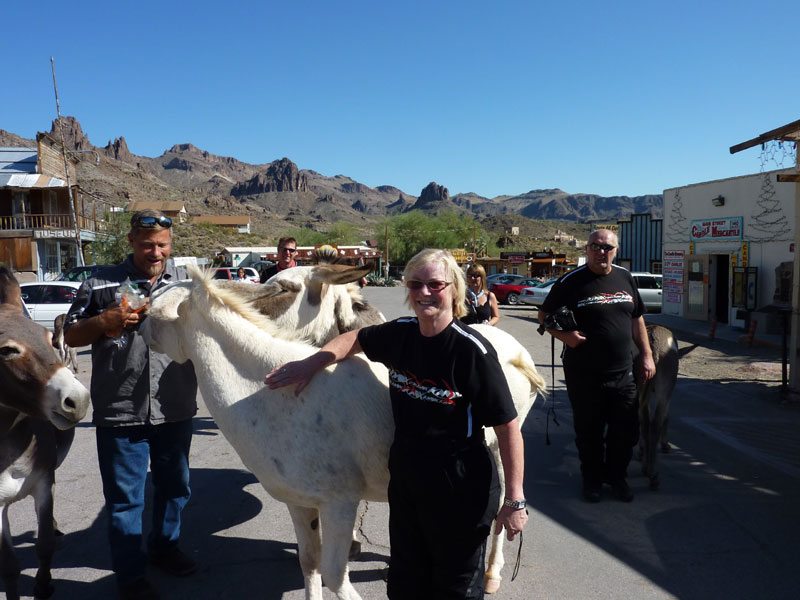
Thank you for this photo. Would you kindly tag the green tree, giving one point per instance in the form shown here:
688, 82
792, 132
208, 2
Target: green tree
414, 231
112, 246
343, 234
308, 237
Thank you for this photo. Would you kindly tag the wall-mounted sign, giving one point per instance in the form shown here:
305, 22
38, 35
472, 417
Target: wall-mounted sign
672, 274
459, 254
728, 228
52, 233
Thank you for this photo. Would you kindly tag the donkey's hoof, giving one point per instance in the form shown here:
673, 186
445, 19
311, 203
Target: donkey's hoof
655, 482
355, 550
491, 584
666, 448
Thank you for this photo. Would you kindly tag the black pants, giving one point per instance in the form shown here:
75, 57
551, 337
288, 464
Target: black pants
441, 505
606, 419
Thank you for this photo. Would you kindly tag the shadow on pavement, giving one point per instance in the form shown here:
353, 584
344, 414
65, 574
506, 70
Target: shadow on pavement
724, 523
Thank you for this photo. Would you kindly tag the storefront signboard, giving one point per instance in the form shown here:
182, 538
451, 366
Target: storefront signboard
728, 228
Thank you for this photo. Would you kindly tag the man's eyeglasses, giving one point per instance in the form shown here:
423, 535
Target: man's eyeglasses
434, 285
151, 222
285, 249
605, 247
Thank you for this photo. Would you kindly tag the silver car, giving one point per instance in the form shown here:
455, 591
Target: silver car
535, 295
48, 299
649, 285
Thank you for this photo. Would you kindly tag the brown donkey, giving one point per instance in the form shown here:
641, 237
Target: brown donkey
653, 427
40, 402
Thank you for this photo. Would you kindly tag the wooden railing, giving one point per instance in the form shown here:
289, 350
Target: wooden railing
31, 221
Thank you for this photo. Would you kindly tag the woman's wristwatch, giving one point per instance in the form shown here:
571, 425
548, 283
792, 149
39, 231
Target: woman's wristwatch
515, 504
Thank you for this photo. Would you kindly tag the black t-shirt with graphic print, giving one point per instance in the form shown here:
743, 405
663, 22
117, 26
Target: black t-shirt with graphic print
445, 386
604, 307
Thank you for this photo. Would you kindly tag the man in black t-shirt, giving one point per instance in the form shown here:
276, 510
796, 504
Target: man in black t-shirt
598, 363
287, 249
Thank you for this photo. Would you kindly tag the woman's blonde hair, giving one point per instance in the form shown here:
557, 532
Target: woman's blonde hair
453, 271
480, 271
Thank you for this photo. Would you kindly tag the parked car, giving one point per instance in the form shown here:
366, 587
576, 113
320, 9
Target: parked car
230, 273
81, 273
48, 299
535, 295
503, 278
649, 285
509, 292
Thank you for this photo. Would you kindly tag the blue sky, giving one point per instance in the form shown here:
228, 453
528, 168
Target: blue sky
612, 98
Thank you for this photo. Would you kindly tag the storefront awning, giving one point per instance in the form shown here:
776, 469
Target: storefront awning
34, 181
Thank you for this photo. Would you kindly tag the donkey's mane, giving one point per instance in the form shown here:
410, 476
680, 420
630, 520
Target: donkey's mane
231, 300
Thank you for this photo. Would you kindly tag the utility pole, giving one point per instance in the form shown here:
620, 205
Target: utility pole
72, 211
474, 238
386, 255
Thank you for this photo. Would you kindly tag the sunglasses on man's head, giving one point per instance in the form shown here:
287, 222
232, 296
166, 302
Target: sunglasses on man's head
150, 222
605, 247
434, 285
289, 250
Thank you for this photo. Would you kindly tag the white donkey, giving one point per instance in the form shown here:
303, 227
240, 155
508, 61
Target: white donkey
325, 450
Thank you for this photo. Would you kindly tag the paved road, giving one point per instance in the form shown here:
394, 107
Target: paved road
725, 523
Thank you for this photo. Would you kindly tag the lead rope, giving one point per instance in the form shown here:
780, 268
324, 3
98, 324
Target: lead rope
552, 409
515, 572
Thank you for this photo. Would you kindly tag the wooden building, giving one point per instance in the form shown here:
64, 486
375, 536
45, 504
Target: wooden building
240, 224
174, 209
39, 235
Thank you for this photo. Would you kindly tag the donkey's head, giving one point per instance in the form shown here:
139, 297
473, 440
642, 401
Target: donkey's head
33, 380
315, 304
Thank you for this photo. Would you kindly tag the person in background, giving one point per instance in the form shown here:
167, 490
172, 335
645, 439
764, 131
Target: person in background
287, 249
598, 363
445, 385
480, 302
143, 406
241, 274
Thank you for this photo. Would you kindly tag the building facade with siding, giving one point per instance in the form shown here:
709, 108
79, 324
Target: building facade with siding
38, 237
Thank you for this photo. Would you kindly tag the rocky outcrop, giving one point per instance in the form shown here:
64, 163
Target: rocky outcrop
432, 197
118, 149
355, 188
12, 140
281, 176
74, 138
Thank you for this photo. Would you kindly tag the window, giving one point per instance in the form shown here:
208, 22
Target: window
58, 294
647, 282
51, 203
655, 267
31, 294
18, 206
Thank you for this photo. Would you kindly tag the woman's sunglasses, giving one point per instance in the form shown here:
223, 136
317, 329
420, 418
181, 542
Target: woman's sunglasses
434, 285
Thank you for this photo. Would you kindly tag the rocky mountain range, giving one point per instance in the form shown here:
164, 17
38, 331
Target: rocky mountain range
279, 192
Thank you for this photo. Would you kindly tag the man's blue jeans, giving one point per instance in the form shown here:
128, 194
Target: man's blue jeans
123, 453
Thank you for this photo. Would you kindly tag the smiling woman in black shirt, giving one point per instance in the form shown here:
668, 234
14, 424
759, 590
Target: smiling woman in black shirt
445, 385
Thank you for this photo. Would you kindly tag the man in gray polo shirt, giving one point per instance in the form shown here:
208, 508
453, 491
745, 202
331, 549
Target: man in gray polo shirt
143, 404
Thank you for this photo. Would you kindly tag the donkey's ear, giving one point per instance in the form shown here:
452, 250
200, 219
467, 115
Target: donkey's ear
341, 274
164, 303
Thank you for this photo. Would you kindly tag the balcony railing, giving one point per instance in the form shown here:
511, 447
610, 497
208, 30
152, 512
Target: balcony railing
50, 221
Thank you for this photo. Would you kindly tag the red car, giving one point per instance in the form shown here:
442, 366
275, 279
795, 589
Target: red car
509, 292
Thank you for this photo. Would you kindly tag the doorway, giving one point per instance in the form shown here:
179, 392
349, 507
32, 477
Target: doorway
721, 283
